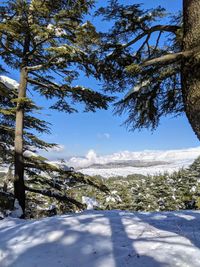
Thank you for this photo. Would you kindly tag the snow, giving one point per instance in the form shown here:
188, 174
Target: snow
85, 24
90, 202
60, 166
110, 199
174, 159
145, 155
137, 88
128, 12
102, 239
56, 148
29, 154
57, 30
56, 164
18, 212
113, 197
8, 82
125, 171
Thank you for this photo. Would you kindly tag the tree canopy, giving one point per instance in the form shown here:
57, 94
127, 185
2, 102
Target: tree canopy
149, 54
49, 43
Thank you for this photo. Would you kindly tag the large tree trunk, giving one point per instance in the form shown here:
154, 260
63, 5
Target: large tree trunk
191, 67
19, 187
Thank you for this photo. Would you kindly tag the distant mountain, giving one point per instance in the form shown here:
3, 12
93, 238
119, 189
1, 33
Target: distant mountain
123, 163
127, 163
107, 171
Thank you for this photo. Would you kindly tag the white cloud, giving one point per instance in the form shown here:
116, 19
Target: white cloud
182, 156
103, 136
54, 153
57, 149
78, 162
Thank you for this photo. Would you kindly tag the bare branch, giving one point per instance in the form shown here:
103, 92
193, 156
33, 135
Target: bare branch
157, 42
144, 43
41, 66
162, 28
43, 84
168, 59
45, 80
37, 67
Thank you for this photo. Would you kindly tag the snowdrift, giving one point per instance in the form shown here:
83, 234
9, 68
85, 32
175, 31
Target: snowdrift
103, 239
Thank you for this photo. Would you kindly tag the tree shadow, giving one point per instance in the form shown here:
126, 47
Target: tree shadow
124, 251
185, 223
89, 239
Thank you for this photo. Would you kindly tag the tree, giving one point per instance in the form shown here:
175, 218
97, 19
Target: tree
44, 41
157, 63
190, 66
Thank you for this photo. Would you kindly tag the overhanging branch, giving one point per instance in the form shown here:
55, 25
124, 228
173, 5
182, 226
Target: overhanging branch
161, 28
168, 58
50, 85
57, 196
43, 66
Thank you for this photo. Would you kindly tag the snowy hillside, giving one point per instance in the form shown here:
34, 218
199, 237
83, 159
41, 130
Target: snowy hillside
113, 172
126, 162
103, 239
170, 161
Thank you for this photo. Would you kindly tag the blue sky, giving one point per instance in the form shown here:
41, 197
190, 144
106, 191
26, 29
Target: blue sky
101, 131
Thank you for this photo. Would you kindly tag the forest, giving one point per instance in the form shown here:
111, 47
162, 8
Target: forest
139, 62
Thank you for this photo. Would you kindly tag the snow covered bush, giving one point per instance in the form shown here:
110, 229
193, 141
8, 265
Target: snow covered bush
180, 190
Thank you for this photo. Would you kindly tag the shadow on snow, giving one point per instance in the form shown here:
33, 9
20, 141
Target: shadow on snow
103, 239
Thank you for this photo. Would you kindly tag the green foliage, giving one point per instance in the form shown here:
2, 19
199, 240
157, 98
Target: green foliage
135, 38
49, 43
180, 190
57, 43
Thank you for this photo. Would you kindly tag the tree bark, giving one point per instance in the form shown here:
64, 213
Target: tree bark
19, 187
191, 66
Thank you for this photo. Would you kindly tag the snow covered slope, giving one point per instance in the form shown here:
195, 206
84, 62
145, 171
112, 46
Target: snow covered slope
126, 162
170, 161
125, 171
103, 239
146, 155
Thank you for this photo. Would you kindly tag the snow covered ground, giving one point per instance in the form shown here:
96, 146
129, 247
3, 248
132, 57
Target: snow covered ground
103, 239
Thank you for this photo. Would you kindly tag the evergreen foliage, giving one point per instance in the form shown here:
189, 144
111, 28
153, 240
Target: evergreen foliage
49, 45
143, 57
180, 190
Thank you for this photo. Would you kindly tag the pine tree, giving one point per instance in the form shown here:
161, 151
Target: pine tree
47, 43
157, 63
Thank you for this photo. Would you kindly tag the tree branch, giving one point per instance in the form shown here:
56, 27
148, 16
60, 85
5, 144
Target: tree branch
37, 67
158, 40
162, 28
168, 59
57, 196
45, 80
36, 46
43, 84
6, 48
40, 66
144, 43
